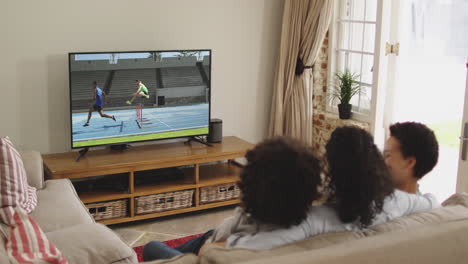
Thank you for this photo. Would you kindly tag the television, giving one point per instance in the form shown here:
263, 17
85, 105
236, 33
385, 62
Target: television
134, 96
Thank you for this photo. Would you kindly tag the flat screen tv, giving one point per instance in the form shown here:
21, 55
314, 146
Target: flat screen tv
123, 97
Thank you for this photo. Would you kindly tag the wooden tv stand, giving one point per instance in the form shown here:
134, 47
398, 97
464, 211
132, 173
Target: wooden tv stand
201, 171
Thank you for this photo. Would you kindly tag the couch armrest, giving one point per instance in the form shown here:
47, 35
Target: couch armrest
460, 198
34, 168
92, 244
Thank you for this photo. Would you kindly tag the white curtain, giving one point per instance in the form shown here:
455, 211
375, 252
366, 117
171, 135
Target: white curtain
305, 24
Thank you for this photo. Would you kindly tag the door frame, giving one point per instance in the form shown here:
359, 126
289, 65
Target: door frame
462, 182
379, 87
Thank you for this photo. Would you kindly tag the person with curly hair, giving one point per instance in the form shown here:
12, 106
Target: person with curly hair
361, 193
361, 188
278, 185
410, 153
358, 179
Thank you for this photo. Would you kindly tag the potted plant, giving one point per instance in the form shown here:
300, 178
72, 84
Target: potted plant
346, 86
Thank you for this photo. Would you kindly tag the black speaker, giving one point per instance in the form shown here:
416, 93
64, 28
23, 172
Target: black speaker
216, 131
161, 100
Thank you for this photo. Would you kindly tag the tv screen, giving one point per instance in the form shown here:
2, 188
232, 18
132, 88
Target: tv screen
123, 97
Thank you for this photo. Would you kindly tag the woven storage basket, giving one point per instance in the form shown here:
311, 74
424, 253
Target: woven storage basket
163, 201
107, 210
222, 192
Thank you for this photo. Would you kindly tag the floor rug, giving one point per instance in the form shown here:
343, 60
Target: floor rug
172, 243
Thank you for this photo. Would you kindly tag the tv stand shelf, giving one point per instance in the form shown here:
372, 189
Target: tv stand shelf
201, 172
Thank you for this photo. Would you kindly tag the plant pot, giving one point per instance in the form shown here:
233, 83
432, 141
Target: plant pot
344, 111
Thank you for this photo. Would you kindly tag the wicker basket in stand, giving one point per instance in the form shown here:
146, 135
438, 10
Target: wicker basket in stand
222, 192
163, 202
107, 210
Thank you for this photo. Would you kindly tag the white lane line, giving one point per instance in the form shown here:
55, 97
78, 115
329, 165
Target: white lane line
165, 124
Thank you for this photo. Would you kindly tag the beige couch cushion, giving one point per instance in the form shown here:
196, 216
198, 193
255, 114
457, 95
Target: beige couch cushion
92, 243
214, 254
455, 208
32, 161
457, 199
58, 206
435, 216
182, 259
446, 243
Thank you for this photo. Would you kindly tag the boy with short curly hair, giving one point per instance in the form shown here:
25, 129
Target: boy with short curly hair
410, 153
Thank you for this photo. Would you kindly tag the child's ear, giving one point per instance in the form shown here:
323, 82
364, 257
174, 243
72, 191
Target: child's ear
411, 162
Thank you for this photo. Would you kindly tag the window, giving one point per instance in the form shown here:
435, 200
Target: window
352, 41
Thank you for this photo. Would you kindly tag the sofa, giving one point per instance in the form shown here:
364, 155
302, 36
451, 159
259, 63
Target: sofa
436, 236
67, 223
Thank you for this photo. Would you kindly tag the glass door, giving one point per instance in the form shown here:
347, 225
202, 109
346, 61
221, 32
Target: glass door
426, 80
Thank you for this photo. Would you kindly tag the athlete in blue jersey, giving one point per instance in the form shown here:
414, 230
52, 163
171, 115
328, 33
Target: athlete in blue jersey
98, 104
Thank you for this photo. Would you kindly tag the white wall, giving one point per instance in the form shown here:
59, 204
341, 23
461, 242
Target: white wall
35, 37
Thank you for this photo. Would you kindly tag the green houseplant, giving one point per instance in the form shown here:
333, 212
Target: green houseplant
346, 86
